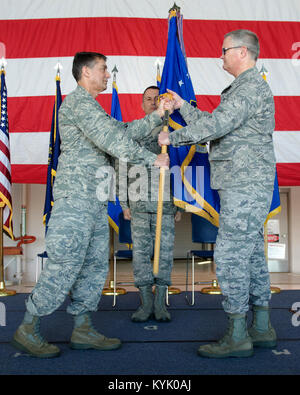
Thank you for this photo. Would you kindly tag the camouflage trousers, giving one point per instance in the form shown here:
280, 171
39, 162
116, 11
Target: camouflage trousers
143, 226
77, 244
241, 266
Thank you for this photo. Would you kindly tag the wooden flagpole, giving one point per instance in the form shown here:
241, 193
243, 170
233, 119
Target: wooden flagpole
160, 201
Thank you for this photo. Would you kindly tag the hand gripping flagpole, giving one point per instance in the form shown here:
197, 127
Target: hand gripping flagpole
160, 200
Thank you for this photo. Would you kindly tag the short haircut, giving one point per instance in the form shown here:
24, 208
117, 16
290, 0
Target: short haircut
245, 38
84, 59
150, 87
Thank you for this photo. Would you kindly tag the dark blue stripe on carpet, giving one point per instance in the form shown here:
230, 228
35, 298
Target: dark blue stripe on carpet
153, 359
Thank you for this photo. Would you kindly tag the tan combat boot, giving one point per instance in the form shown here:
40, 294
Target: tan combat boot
145, 310
161, 313
261, 331
27, 338
85, 336
235, 343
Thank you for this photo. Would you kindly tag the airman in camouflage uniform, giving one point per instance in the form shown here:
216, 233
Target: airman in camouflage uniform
77, 237
141, 208
242, 170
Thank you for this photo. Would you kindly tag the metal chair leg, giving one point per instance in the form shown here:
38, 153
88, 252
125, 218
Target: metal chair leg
37, 268
186, 275
115, 281
187, 279
193, 280
167, 297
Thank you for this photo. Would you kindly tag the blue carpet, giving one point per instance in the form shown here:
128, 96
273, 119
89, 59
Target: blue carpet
153, 348
178, 358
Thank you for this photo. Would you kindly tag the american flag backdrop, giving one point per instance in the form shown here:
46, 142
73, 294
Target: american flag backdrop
37, 34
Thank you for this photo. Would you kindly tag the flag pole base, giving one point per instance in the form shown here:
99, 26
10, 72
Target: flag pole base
4, 291
111, 291
213, 290
173, 291
275, 290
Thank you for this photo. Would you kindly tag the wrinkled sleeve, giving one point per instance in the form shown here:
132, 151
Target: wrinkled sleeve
141, 128
189, 113
204, 126
122, 183
110, 135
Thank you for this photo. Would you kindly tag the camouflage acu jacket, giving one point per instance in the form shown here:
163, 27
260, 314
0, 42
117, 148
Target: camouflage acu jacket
239, 131
89, 137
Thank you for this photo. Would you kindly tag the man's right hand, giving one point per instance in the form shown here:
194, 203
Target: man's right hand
162, 160
127, 213
165, 104
178, 101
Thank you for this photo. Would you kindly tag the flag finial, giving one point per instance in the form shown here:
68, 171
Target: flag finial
115, 71
158, 63
264, 72
3, 63
58, 67
175, 8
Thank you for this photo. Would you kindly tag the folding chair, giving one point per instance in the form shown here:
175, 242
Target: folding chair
124, 238
40, 264
206, 233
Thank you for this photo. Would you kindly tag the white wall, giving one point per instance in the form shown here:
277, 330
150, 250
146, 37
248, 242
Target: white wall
294, 229
34, 195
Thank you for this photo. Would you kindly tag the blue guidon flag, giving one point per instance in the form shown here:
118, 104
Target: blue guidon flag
189, 164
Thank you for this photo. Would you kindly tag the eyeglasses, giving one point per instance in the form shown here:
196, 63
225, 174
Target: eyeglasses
224, 50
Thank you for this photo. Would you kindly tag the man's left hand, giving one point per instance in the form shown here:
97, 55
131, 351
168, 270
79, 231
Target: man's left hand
177, 216
163, 138
165, 104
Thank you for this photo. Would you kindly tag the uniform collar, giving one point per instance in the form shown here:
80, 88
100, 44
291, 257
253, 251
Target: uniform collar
83, 91
244, 76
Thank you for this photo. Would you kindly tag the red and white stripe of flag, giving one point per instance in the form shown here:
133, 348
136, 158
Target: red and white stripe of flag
5, 168
133, 34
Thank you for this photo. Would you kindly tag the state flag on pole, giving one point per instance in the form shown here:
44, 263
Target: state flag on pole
5, 168
114, 209
275, 204
54, 151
